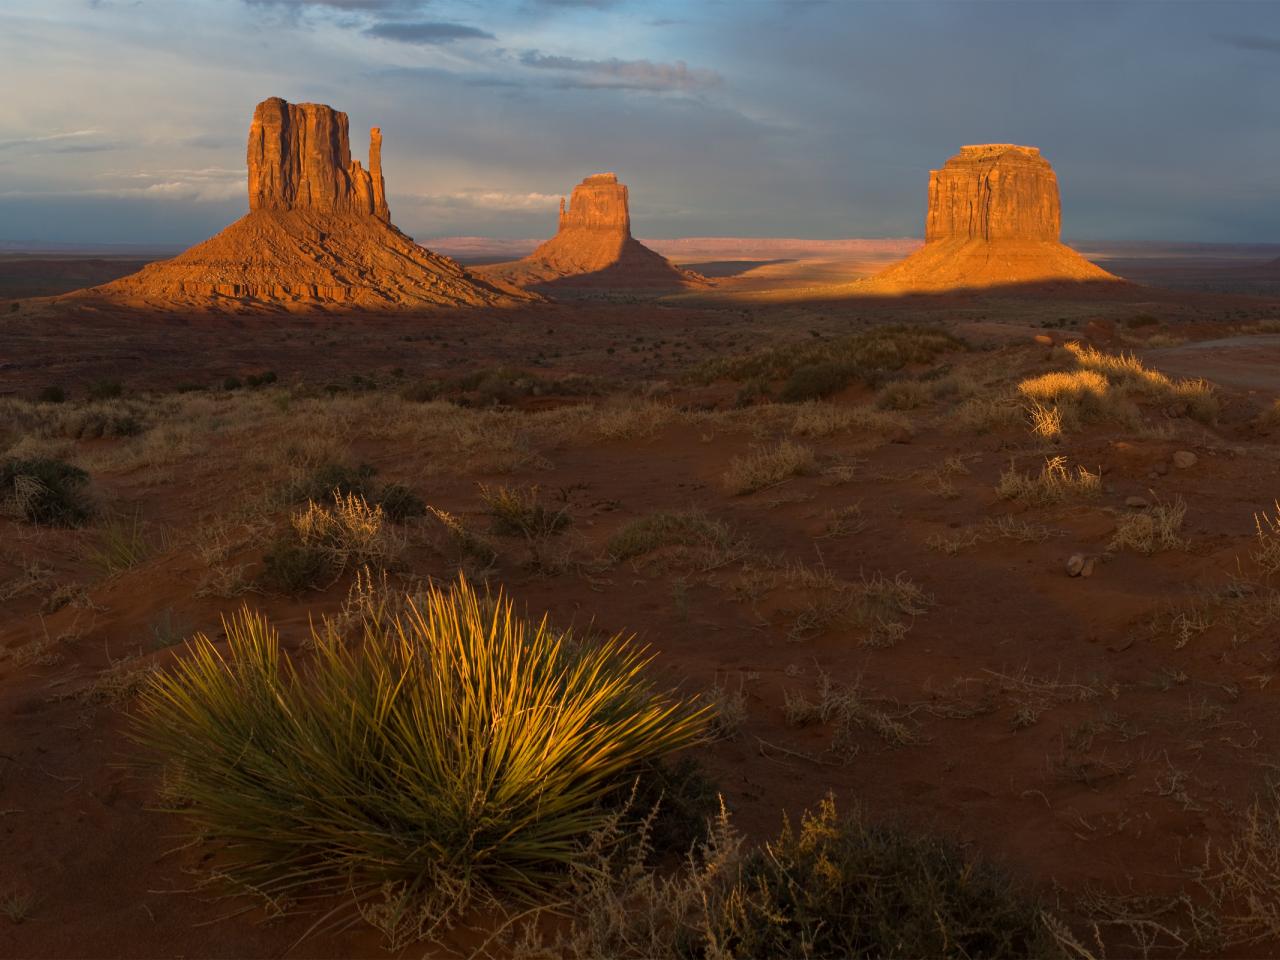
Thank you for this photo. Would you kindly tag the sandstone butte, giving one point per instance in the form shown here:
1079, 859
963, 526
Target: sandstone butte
994, 219
318, 234
593, 247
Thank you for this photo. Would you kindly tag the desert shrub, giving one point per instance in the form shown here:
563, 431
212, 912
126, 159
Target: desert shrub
106, 390
45, 491
824, 419
766, 467
399, 503
329, 479
1195, 397
1141, 320
93, 423
1055, 482
904, 395
686, 528
52, 394
292, 568
347, 530
678, 794
521, 513
422, 391
390, 766
815, 381
122, 543
984, 414
232, 383
1155, 528
838, 887
260, 379
861, 356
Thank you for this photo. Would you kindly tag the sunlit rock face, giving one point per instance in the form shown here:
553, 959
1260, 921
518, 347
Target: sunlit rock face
994, 219
994, 191
299, 158
598, 204
318, 233
593, 247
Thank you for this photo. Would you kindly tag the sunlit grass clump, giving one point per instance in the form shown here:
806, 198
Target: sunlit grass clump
454, 750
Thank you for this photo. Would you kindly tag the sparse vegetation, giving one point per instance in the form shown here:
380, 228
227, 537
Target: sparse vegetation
45, 491
767, 467
521, 513
1055, 483
388, 765
1154, 528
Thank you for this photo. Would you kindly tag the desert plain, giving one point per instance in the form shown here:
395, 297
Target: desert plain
976, 539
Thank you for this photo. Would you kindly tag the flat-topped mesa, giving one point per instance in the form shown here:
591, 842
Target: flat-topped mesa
299, 158
994, 220
598, 203
994, 191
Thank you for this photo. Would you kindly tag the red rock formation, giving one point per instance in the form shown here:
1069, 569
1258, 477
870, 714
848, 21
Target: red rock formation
594, 247
318, 232
994, 219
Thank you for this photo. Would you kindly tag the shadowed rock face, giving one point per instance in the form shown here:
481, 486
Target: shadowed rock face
318, 232
299, 158
994, 191
593, 247
994, 220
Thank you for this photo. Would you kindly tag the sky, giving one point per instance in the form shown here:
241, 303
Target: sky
124, 121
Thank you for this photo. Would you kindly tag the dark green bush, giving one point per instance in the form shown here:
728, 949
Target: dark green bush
44, 491
330, 478
53, 394
838, 887
106, 390
684, 798
260, 379
422, 391
815, 381
399, 503
232, 383
292, 568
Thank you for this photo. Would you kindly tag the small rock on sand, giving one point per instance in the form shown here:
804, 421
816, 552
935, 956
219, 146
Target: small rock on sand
1184, 459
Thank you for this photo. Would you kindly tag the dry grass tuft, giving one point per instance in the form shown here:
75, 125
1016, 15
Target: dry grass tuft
767, 467
1055, 483
1152, 529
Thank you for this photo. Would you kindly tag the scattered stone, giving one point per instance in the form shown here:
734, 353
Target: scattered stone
1184, 459
1075, 565
1087, 569
1043, 339
1138, 503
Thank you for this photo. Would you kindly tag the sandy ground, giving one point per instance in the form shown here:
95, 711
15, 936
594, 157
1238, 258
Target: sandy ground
1088, 734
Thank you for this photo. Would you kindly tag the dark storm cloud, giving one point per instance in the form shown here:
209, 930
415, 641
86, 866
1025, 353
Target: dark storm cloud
1264, 44
426, 32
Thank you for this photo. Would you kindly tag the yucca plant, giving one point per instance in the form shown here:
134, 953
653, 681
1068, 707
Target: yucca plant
455, 746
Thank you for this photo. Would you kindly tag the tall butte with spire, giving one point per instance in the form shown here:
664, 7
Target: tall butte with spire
318, 233
994, 219
593, 247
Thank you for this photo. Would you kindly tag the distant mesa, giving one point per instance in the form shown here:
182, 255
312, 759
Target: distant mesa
593, 247
994, 219
318, 234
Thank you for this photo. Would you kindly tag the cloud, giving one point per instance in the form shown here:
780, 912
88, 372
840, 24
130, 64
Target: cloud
1264, 44
479, 199
344, 6
62, 142
624, 74
425, 31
